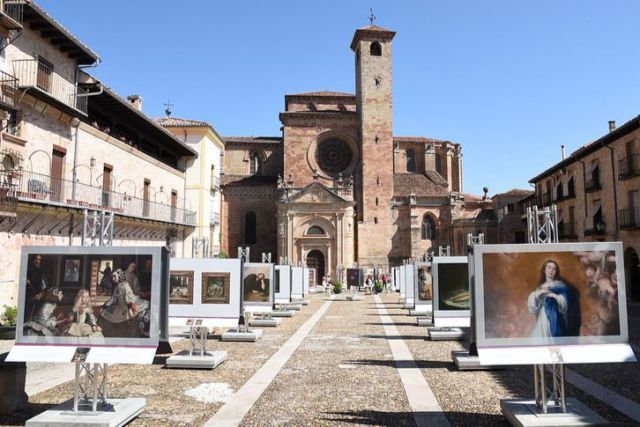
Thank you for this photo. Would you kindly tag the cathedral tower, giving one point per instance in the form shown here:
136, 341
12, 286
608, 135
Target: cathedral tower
372, 47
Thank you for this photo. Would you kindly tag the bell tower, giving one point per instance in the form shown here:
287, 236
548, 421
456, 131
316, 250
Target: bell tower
372, 48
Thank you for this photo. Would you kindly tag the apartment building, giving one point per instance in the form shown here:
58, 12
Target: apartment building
70, 144
203, 181
596, 190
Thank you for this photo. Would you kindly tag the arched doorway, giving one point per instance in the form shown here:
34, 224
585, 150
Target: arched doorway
315, 260
632, 262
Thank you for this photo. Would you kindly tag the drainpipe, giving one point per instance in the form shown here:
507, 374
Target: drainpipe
615, 192
74, 174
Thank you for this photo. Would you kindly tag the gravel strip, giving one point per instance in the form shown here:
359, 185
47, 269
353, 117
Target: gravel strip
342, 373
472, 398
164, 389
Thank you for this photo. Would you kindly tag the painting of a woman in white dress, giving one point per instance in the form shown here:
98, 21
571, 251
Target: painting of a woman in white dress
555, 303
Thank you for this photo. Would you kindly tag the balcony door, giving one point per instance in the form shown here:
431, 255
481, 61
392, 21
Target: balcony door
174, 204
106, 185
145, 198
45, 74
57, 165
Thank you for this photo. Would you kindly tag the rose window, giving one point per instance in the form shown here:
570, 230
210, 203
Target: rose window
333, 156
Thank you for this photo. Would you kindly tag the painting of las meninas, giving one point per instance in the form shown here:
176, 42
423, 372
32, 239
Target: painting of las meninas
61, 300
568, 293
257, 282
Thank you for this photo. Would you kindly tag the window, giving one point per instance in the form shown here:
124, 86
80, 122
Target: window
315, 230
255, 164
375, 49
250, 226
411, 161
571, 191
438, 164
559, 191
510, 208
428, 228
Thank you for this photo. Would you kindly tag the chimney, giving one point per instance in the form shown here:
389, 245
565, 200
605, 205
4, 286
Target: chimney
562, 152
135, 101
612, 125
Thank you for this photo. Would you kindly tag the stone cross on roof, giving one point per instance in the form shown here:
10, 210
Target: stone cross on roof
372, 17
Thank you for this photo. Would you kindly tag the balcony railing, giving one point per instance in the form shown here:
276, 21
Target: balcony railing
35, 74
629, 167
629, 218
594, 226
47, 189
592, 183
13, 9
567, 230
8, 193
215, 218
8, 88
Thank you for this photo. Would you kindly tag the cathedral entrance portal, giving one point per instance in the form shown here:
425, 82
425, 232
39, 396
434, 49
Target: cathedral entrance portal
315, 260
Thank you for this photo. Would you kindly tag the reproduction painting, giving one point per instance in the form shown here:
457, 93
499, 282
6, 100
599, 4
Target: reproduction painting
68, 300
277, 282
257, 282
570, 293
181, 287
453, 286
215, 288
425, 283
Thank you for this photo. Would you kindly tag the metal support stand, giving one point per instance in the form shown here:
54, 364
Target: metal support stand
444, 250
266, 257
550, 407
90, 386
198, 245
198, 340
97, 228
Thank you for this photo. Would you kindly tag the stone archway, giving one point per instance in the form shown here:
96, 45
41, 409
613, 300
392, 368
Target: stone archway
315, 260
632, 263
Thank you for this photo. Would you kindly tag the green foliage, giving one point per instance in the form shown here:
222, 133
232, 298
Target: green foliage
223, 254
10, 315
337, 286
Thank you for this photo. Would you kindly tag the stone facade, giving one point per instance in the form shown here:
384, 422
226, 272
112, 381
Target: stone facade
338, 188
596, 191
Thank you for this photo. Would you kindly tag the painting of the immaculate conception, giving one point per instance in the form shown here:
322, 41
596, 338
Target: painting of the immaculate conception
548, 296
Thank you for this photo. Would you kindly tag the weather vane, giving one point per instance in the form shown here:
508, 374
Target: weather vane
372, 17
168, 106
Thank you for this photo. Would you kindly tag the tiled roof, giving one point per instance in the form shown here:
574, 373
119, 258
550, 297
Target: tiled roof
375, 28
91, 55
371, 30
589, 148
238, 180
253, 139
475, 214
436, 177
423, 186
516, 192
326, 93
177, 122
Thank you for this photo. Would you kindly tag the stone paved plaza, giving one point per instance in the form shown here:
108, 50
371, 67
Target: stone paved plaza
333, 364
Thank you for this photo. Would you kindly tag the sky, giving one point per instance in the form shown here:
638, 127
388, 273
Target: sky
511, 81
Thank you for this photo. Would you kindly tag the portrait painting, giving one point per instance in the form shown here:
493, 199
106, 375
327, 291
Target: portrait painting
64, 299
215, 288
181, 287
72, 270
257, 282
552, 294
424, 280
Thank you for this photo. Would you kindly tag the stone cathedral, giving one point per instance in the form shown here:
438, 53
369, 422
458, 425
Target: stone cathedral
337, 188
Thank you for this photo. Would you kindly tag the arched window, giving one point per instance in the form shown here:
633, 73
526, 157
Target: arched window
428, 228
315, 230
438, 164
376, 49
255, 164
411, 161
250, 226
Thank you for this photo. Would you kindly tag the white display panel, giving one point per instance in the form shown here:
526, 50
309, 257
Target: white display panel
451, 296
409, 283
551, 303
258, 287
423, 289
282, 284
305, 289
213, 302
297, 282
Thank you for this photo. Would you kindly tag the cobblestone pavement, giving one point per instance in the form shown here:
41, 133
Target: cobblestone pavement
343, 373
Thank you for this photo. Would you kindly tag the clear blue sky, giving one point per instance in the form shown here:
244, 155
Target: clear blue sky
509, 80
